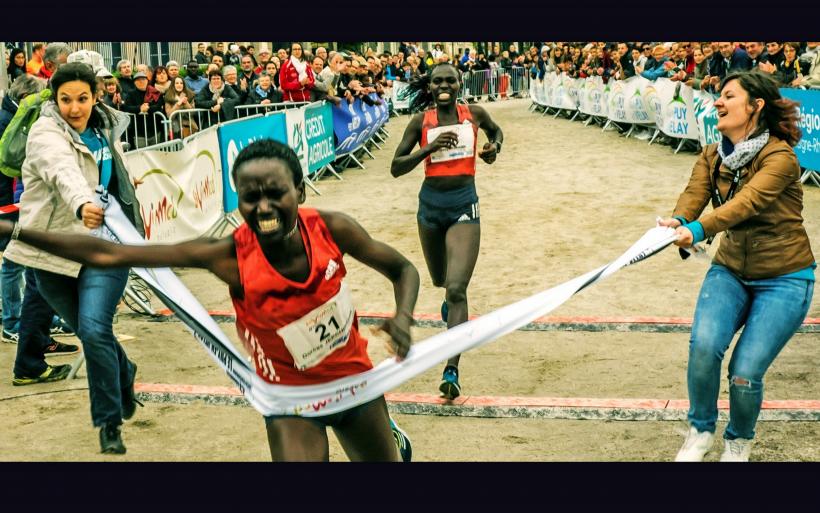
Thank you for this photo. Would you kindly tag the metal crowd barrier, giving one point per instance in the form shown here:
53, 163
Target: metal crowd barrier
243, 111
167, 147
142, 133
494, 84
193, 120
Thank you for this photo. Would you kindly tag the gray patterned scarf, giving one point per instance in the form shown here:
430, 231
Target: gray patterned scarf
736, 156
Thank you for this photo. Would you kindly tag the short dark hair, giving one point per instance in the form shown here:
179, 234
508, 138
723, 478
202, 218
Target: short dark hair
269, 149
215, 73
79, 71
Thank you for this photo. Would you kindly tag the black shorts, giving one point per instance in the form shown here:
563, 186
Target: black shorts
332, 420
443, 209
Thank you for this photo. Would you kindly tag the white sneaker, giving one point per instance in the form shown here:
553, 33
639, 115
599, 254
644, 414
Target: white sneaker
695, 446
738, 449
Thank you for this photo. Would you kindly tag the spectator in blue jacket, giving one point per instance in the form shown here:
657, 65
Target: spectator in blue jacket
658, 69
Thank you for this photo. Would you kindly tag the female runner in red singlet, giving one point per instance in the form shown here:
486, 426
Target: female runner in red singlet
294, 312
448, 216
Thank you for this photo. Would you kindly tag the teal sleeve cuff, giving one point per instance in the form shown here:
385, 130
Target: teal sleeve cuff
697, 231
682, 219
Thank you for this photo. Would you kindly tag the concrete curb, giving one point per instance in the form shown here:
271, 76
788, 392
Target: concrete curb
505, 407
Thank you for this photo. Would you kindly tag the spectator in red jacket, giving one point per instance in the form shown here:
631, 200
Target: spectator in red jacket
296, 77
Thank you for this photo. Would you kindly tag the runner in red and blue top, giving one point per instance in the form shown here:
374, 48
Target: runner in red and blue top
448, 216
294, 311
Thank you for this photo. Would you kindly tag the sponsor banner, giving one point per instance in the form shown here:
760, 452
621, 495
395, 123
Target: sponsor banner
678, 110
295, 122
354, 123
559, 96
653, 95
808, 149
398, 88
595, 97
626, 103
180, 192
321, 149
706, 117
574, 91
236, 135
583, 97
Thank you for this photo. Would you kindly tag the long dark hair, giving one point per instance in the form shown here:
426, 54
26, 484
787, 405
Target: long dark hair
10, 70
101, 114
779, 115
419, 89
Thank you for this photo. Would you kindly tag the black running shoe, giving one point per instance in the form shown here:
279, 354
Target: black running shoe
60, 348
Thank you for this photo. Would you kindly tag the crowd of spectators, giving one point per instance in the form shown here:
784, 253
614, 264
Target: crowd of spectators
221, 77
700, 65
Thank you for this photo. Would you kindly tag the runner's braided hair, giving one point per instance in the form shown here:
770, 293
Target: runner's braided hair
419, 89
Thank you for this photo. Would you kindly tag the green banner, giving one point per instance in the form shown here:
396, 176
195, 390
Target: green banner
321, 149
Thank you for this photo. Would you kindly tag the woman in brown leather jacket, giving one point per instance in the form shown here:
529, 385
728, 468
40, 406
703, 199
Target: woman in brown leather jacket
762, 276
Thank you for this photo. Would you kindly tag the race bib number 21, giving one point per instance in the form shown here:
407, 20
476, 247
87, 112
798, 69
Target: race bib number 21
323, 330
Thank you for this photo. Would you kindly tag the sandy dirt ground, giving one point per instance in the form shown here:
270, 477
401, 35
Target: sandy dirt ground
562, 199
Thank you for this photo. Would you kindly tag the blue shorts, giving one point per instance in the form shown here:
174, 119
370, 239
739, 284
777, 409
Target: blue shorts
442, 209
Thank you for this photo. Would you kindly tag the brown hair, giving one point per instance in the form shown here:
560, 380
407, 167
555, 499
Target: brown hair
779, 115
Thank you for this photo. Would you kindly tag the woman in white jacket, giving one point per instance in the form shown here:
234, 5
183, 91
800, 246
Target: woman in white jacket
72, 148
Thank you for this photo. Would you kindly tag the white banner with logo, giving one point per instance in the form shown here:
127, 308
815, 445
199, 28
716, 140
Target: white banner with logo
560, 96
399, 103
626, 103
595, 99
295, 122
678, 111
672, 107
180, 192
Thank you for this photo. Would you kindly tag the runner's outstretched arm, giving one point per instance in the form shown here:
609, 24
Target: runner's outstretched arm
202, 253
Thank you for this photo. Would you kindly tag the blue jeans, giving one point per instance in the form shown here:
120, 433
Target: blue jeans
11, 284
772, 310
35, 322
88, 303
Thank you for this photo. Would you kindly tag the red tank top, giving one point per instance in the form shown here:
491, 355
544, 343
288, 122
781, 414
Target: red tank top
460, 166
299, 333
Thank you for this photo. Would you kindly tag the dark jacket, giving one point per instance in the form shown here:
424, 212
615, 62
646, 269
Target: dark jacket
242, 95
256, 97
7, 110
627, 66
763, 57
146, 124
720, 66
201, 58
786, 73
764, 234
205, 100
127, 86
